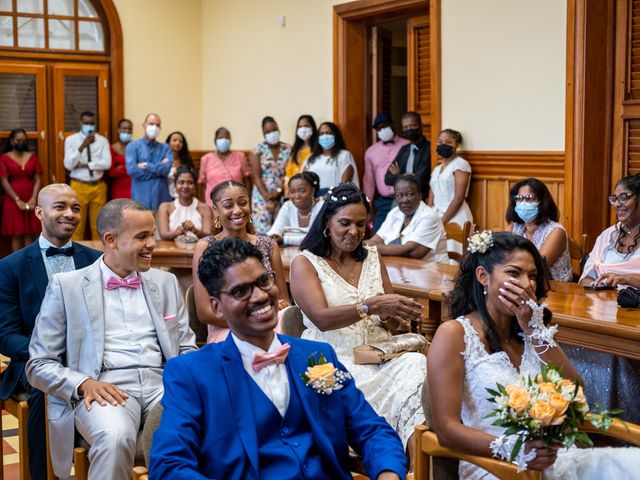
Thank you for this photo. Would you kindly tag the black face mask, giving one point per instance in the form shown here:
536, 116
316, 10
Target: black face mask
444, 150
21, 147
412, 134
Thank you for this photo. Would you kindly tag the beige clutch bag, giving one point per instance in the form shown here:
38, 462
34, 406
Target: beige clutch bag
375, 353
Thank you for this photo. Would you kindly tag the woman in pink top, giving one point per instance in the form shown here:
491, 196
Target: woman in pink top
223, 165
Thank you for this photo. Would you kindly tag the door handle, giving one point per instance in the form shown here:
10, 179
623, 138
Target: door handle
43, 135
60, 135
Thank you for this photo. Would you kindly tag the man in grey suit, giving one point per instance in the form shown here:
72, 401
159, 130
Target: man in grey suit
100, 342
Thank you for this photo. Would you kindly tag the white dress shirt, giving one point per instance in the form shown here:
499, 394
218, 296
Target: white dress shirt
425, 228
130, 338
56, 263
100, 157
272, 380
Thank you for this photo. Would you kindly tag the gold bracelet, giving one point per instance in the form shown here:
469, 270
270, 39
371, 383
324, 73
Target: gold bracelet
362, 309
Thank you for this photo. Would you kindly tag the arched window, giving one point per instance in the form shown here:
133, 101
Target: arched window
58, 58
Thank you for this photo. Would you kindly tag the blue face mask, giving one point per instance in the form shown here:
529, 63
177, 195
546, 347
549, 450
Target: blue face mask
125, 137
87, 129
528, 212
223, 144
327, 141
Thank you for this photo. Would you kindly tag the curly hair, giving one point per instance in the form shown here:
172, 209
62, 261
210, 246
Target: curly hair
468, 294
339, 196
547, 208
218, 257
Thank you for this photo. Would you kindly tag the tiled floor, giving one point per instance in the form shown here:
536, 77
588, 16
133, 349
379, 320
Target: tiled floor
10, 446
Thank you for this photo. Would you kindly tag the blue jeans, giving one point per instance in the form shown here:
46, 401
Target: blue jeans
383, 206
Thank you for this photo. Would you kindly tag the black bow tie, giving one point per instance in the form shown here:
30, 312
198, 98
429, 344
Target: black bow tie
388, 142
53, 251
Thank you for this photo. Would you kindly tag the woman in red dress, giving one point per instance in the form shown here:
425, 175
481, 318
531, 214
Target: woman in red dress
20, 178
120, 180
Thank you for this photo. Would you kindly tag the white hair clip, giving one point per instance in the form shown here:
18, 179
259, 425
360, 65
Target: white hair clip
481, 241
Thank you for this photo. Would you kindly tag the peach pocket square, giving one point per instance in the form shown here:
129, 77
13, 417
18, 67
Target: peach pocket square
170, 317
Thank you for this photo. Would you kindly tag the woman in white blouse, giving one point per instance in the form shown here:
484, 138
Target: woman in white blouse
330, 159
450, 180
295, 216
412, 229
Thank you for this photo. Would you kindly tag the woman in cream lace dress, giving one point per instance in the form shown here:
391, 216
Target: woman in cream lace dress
342, 288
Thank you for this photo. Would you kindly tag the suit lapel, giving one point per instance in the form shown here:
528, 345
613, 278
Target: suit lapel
297, 362
38, 270
240, 400
151, 291
92, 290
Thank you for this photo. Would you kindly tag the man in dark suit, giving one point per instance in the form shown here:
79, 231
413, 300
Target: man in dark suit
254, 407
24, 276
412, 158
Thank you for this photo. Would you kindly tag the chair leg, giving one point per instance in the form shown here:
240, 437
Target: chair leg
50, 474
421, 459
1, 449
81, 463
23, 445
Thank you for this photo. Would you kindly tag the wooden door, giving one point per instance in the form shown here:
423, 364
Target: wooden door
419, 70
77, 88
23, 104
381, 45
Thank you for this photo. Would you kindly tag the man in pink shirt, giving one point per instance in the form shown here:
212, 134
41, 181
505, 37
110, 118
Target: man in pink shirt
377, 160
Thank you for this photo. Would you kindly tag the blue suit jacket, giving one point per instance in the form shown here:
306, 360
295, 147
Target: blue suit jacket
208, 430
23, 282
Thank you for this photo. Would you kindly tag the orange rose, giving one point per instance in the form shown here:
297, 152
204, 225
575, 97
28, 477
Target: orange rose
559, 403
566, 383
511, 388
547, 387
542, 412
325, 372
519, 399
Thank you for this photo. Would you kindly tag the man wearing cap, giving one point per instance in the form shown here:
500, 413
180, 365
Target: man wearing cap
377, 160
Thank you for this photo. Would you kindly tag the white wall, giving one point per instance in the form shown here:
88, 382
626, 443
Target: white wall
503, 73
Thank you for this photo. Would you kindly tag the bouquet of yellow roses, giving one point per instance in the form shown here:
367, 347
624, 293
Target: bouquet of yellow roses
547, 407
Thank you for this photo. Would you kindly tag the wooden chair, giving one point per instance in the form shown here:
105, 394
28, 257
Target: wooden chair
198, 328
577, 254
17, 406
459, 234
444, 461
291, 323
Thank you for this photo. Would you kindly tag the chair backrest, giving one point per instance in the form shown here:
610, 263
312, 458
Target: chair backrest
150, 425
577, 254
198, 328
291, 322
443, 468
459, 234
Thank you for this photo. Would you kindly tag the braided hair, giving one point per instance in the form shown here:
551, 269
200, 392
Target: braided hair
468, 294
215, 198
218, 257
344, 194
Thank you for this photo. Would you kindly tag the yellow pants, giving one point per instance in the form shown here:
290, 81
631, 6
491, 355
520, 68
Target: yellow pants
92, 198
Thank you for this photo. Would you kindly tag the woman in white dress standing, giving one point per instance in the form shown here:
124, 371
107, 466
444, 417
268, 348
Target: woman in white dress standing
343, 289
491, 341
450, 180
330, 159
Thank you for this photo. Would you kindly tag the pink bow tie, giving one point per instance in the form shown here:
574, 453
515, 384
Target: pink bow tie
261, 360
115, 282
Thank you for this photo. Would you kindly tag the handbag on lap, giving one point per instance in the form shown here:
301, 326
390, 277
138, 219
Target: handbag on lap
379, 352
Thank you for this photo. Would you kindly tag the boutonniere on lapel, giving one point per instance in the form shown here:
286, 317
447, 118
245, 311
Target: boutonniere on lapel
323, 376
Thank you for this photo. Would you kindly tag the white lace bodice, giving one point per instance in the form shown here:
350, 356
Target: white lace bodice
340, 292
483, 370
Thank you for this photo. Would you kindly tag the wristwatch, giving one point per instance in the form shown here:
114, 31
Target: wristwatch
363, 310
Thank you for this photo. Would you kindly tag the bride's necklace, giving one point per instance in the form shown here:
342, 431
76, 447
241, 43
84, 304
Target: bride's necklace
348, 278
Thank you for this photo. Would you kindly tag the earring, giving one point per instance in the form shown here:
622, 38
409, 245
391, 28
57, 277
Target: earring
250, 220
325, 233
217, 224
484, 290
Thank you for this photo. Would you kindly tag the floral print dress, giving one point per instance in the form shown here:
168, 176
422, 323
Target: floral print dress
273, 173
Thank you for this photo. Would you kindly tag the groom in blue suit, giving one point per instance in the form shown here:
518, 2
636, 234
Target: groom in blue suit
24, 276
241, 409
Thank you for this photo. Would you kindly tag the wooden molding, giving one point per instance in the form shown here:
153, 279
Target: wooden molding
435, 55
361, 10
516, 164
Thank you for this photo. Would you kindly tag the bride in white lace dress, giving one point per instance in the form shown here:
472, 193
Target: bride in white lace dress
484, 346
343, 290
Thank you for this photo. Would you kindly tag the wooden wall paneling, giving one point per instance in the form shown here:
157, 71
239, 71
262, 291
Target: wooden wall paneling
435, 54
590, 76
419, 70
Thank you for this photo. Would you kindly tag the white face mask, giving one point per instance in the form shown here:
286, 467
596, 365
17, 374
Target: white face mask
152, 131
273, 138
385, 134
304, 133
